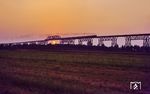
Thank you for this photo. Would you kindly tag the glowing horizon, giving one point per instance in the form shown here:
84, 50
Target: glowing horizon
24, 19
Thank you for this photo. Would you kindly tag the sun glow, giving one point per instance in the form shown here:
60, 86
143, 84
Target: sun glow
54, 42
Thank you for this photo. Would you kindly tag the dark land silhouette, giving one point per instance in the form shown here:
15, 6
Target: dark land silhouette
68, 47
73, 69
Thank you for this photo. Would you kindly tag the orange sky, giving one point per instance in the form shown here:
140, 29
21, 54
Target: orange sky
25, 19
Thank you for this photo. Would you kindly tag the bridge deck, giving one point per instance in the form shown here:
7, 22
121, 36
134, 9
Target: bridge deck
146, 34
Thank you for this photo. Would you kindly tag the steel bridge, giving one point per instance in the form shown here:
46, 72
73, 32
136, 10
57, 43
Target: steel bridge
89, 40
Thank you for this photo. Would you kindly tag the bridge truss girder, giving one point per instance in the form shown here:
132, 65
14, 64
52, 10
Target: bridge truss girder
70, 41
88, 40
112, 39
128, 41
145, 38
146, 41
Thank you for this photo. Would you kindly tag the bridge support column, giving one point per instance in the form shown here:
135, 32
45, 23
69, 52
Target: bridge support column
100, 41
61, 41
42, 43
80, 42
71, 42
114, 41
128, 41
146, 41
90, 42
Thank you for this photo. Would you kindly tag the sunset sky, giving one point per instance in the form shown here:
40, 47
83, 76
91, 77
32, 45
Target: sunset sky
30, 19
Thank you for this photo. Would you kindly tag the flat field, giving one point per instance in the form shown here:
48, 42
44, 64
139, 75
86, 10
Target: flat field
72, 72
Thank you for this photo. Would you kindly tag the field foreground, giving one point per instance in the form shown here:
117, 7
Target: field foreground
44, 72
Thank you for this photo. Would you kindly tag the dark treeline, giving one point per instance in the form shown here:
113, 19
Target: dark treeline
76, 47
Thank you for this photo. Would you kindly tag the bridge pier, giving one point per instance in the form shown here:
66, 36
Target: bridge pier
114, 41
71, 42
80, 42
128, 41
100, 42
90, 42
43, 43
146, 41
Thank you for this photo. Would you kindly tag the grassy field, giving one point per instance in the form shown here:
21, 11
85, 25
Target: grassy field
44, 72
